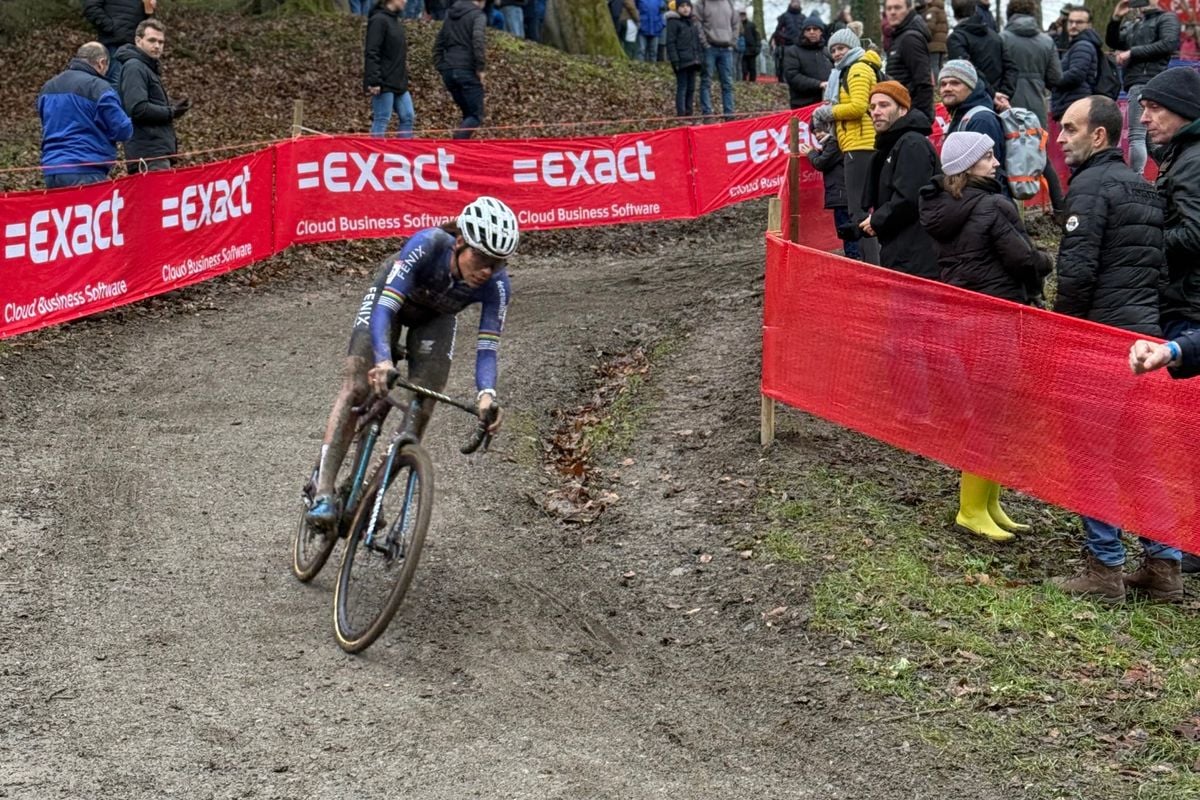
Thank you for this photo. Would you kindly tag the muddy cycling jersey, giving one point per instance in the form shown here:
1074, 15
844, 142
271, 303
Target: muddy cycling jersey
416, 285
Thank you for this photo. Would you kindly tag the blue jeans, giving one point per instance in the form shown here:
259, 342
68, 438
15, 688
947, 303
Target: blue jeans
685, 90
514, 20
60, 179
647, 47
534, 14
467, 93
382, 106
719, 60
113, 76
841, 216
414, 9
1104, 542
361, 7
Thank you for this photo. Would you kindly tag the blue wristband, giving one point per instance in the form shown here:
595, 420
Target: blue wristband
1176, 352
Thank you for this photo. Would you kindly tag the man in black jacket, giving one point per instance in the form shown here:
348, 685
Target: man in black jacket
751, 45
146, 101
908, 60
903, 163
806, 66
460, 56
385, 69
1143, 44
116, 22
972, 40
1110, 265
1080, 64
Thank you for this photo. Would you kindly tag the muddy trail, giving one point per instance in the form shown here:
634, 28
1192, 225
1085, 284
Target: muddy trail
154, 643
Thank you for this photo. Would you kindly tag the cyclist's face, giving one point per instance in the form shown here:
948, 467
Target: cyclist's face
476, 268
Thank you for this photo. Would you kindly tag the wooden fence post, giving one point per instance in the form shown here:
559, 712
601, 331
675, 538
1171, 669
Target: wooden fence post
297, 118
766, 427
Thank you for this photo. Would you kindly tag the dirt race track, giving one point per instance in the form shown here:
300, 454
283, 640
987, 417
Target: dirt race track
154, 643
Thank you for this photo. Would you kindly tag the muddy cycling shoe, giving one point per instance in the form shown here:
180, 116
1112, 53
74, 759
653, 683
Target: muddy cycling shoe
324, 513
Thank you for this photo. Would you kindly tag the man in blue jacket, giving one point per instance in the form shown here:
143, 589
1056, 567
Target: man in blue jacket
82, 120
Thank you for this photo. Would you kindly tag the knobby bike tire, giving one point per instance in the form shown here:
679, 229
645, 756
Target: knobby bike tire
310, 550
411, 459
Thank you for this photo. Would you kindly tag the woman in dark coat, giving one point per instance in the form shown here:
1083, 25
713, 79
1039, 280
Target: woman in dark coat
982, 246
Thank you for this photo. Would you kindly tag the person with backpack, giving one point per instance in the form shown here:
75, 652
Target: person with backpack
806, 66
967, 99
1144, 41
847, 98
1038, 69
1080, 64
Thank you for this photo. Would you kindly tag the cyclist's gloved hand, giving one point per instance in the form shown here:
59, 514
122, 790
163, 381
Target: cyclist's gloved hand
378, 376
486, 402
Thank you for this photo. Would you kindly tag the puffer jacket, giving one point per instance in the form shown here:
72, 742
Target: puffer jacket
685, 41
1038, 66
147, 103
972, 40
1110, 260
904, 163
851, 114
1179, 184
115, 20
1151, 42
908, 61
650, 17
385, 60
460, 44
1080, 65
805, 66
938, 25
981, 243
720, 21
828, 161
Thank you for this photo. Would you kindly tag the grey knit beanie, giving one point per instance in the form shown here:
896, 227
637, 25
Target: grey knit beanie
1176, 89
960, 69
846, 37
962, 149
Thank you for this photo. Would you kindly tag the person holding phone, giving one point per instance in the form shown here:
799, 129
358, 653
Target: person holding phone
1143, 38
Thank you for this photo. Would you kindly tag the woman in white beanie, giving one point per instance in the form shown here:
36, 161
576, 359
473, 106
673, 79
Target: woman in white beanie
982, 246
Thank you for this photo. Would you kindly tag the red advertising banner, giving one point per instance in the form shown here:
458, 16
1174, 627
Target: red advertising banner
1038, 401
76, 251
349, 187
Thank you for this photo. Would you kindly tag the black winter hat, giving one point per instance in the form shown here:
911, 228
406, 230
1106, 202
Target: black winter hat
1176, 89
813, 21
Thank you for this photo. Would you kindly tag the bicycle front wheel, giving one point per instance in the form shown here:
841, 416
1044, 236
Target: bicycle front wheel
383, 549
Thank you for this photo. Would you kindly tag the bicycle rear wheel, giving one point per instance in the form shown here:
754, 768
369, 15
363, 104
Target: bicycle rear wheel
383, 549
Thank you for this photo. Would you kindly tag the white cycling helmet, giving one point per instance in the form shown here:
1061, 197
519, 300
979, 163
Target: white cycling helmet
490, 227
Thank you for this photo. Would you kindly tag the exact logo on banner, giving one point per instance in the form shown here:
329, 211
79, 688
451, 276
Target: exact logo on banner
349, 171
208, 203
762, 146
67, 232
590, 167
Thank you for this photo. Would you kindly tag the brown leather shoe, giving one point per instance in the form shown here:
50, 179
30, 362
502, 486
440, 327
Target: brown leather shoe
1158, 579
1095, 581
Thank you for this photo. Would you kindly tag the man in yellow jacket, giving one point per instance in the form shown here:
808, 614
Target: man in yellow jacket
847, 102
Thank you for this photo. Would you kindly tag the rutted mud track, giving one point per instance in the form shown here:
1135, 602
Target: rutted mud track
153, 641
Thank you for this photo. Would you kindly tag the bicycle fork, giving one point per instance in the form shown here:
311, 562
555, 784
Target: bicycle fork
386, 548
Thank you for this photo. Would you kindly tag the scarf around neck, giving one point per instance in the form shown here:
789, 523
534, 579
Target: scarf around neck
833, 87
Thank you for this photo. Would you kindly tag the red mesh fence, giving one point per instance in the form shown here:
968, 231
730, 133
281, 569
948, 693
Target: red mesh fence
1038, 401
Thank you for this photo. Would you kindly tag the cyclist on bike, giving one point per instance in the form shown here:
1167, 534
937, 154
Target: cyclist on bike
438, 273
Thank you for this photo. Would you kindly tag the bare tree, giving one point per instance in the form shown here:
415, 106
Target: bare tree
584, 27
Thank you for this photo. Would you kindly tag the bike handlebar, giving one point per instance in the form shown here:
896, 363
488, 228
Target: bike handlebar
479, 437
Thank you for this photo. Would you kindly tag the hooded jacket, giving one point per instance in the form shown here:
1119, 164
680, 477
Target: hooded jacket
82, 119
851, 114
1037, 62
685, 41
986, 121
720, 21
981, 243
1179, 184
904, 163
147, 103
385, 61
1151, 42
908, 61
115, 21
938, 25
460, 44
828, 161
789, 28
805, 66
1110, 260
972, 40
1080, 65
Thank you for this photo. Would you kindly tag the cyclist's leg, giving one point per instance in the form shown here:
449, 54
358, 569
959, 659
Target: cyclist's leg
340, 426
430, 350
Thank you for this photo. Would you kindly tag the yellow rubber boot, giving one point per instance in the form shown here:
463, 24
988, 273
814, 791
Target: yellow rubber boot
973, 516
999, 517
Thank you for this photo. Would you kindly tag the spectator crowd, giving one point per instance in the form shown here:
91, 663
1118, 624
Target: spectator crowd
1129, 256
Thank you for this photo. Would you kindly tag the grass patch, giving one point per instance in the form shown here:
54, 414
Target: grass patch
618, 428
1066, 698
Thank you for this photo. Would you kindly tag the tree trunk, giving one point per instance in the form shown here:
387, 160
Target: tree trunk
583, 27
868, 12
296, 6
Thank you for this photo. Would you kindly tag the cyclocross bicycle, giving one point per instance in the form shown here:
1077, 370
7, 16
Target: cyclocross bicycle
383, 520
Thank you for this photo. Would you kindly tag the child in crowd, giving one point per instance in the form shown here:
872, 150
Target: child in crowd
827, 158
685, 51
